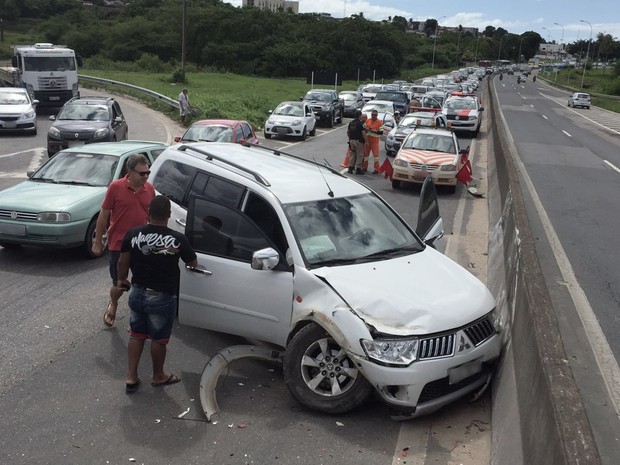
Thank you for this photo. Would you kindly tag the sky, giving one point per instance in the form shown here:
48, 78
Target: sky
515, 16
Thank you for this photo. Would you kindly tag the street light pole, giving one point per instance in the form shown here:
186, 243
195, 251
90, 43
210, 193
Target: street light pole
520, 44
499, 53
435, 40
583, 76
561, 49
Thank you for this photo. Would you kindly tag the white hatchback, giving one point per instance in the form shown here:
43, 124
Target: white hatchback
17, 110
579, 99
291, 119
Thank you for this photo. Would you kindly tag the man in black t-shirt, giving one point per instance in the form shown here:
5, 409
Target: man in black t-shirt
152, 252
357, 139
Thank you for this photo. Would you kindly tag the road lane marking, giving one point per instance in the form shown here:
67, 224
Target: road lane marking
566, 133
612, 166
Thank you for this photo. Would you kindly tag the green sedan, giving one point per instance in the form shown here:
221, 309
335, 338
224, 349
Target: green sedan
58, 205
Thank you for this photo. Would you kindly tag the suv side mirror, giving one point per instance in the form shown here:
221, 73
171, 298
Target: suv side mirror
265, 259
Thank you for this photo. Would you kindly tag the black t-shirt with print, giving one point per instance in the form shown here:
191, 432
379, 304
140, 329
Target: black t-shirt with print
155, 252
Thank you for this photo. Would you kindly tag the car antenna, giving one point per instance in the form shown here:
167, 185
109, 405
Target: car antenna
330, 192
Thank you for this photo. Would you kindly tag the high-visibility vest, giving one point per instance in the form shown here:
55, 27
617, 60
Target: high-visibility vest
374, 128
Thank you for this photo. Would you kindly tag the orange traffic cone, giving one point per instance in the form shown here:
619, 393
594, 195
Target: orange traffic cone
347, 158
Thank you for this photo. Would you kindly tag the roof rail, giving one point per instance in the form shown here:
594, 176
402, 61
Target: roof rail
260, 179
278, 152
257, 176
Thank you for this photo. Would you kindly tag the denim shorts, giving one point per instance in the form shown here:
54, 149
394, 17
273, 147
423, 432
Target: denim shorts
152, 314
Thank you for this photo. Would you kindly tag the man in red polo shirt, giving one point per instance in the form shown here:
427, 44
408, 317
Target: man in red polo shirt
125, 206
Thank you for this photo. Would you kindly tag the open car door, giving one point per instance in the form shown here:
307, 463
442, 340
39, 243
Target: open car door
430, 224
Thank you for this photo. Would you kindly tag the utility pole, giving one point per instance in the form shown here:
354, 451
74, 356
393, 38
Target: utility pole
583, 76
183, 39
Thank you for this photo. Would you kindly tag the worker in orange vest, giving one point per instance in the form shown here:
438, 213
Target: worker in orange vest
374, 131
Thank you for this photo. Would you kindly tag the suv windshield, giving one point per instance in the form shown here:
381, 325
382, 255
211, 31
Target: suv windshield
350, 230
318, 96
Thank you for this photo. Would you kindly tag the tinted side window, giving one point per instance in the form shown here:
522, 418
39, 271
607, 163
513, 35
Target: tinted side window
217, 229
238, 134
173, 179
247, 131
224, 192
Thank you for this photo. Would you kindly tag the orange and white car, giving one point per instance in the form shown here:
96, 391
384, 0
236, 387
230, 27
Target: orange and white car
429, 151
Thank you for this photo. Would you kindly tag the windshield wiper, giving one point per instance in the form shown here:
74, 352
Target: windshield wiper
399, 251
76, 183
336, 261
50, 180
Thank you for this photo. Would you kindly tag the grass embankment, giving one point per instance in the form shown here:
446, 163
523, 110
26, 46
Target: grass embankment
223, 95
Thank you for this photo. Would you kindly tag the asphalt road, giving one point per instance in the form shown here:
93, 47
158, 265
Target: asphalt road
570, 174
62, 373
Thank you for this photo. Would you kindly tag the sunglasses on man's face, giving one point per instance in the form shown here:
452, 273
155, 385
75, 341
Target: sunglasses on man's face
142, 173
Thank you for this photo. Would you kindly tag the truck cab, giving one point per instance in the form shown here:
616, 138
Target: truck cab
48, 72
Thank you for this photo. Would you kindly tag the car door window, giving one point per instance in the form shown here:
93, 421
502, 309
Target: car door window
247, 131
266, 219
173, 179
238, 134
218, 229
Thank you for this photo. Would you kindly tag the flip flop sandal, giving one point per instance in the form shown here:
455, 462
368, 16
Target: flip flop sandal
130, 388
172, 379
108, 319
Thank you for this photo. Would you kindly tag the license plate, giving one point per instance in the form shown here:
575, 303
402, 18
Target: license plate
12, 229
282, 131
461, 372
10, 124
74, 143
420, 174
54, 98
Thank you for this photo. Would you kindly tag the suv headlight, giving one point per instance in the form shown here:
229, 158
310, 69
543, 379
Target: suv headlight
54, 132
401, 162
54, 217
100, 133
391, 351
28, 115
447, 168
326, 107
297, 122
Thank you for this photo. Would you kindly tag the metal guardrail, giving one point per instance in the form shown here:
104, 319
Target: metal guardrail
141, 90
577, 89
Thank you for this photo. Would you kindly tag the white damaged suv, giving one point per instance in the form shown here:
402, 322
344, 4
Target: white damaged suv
296, 254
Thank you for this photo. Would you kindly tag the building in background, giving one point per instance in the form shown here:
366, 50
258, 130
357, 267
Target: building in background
273, 5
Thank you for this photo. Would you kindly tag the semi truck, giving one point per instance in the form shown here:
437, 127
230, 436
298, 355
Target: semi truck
47, 71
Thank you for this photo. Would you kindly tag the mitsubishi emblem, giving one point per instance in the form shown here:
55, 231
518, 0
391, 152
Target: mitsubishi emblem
76, 135
463, 344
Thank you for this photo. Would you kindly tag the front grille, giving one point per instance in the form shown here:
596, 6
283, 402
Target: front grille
442, 387
9, 118
418, 166
480, 331
70, 135
52, 83
282, 130
18, 215
435, 347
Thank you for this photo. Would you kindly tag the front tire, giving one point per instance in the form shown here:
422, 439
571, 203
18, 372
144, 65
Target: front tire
267, 136
320, 374
330, 121
89, 239
303, 133
313, 132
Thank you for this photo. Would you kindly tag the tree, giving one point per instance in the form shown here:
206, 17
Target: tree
489, 31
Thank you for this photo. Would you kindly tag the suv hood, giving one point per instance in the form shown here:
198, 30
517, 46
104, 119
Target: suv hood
403, 296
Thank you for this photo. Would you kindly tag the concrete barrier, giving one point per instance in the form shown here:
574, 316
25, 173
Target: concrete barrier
538, 415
